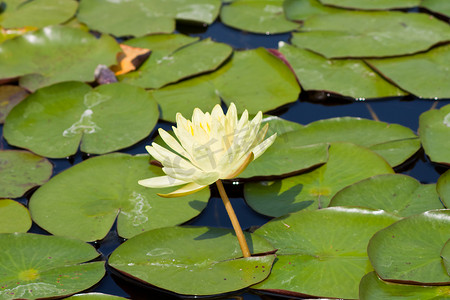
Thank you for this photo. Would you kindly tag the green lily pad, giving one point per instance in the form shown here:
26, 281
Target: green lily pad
302, 9
21, 171
445, 254
437, 6
162, 44
10, 95
107, 189
183, 97
161, 70
193, 260
443, 188
256, 80
347, 164
434, 63
259, 16
409, 250
14, 217
253, 79
394, 142
350, 77
137, 18
284, 157
388, 33
321, 253
397, 194
371, 4
36, 13
434, 132
55, 54
374, 288
94, 296
38, 266
56, 119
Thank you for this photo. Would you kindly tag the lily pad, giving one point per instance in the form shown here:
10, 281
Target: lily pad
445, 254
371, 4
256, 80
94, 296
56, 119
410, 249
107, 189
55, 54
193, 261
190, 60
259, 16
253, 79
14, 217
183, 97
434, 63
138, 18
21, 171
161, 44
438, 6
10, 95
284, 157
36, 13
397, 194
443, 188
388, 33
374, 288
346, 165
321, 253
302, 9
434, 132
350, 77
38, 266
394, 142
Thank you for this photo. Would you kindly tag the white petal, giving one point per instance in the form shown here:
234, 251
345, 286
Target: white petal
186, 139
207, 178
198, 116
260, 136
168, 158
261, 148
243, 121
240, 167
217, 112
173, 143
232, 115
161, 182
181, 121
184, 174
185, 190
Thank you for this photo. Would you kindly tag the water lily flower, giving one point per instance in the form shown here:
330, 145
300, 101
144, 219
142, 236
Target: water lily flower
210, 147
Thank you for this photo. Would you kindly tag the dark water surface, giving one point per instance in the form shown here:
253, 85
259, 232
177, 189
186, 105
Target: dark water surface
310, 107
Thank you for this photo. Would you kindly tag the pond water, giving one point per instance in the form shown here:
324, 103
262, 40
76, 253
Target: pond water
310, 107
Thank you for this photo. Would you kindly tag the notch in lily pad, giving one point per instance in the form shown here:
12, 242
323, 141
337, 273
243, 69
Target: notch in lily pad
107, 190
347, 164
55, 54
321, 253
56, 120
49, 267
193, 260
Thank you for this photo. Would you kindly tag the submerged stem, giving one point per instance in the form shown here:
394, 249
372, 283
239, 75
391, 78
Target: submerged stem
234, 221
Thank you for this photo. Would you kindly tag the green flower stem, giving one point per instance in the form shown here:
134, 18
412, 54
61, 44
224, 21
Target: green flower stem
234, 221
